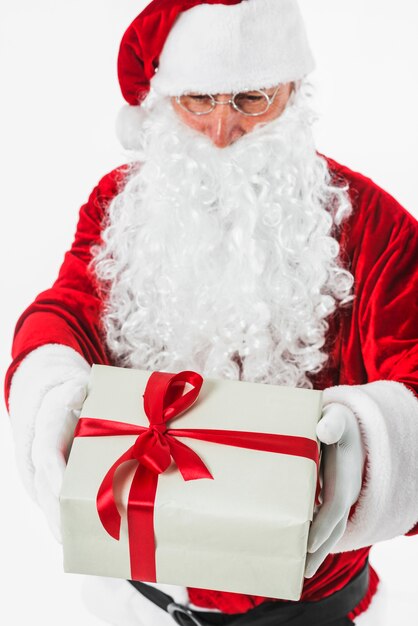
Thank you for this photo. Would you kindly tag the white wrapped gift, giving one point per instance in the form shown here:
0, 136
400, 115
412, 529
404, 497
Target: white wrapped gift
244, 530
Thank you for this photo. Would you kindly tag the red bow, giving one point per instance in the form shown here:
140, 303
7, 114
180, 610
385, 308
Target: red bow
154, 448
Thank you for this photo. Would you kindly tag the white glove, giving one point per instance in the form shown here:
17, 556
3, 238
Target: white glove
47, 392
343, 458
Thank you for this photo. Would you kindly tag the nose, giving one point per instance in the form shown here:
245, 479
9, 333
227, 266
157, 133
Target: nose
223, 127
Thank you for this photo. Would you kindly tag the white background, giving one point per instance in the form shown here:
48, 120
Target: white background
59, 98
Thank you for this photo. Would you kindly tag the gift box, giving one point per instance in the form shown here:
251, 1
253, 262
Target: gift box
200, 483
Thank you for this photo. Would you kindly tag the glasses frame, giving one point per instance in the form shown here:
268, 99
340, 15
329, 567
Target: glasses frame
231, 101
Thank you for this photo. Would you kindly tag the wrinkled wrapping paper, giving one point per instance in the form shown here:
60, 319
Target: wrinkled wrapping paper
245, 531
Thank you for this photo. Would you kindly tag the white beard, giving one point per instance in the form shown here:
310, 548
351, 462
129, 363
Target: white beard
222, 260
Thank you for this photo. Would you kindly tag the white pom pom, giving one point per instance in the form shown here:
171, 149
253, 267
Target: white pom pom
128, 124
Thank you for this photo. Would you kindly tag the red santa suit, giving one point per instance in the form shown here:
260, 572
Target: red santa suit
372, 365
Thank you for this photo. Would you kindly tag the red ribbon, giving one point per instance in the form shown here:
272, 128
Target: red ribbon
154, 449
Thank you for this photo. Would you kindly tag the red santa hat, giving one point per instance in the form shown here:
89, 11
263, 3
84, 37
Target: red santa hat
211, 46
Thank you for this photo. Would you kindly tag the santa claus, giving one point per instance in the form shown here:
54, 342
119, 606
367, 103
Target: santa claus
229, 246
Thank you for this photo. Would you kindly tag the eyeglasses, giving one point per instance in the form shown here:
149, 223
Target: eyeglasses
251, 103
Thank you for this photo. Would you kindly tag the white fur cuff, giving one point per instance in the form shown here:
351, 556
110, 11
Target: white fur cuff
387, 412
41, 370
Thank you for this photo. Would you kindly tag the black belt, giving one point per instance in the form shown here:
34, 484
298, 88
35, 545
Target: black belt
331, 611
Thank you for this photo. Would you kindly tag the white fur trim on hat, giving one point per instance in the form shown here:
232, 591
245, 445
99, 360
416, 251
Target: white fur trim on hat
220, 49
387, 412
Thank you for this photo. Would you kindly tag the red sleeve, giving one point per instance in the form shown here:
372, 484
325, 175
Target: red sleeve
386, 279
379, 246
391, 315
388, 304
69, 312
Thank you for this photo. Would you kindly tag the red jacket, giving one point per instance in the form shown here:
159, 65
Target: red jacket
375, 339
